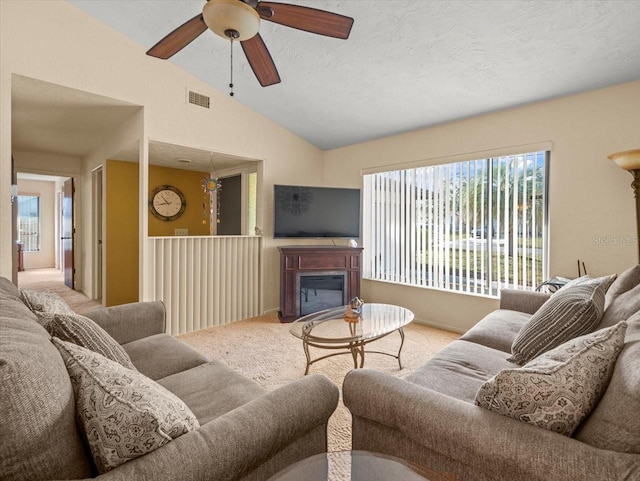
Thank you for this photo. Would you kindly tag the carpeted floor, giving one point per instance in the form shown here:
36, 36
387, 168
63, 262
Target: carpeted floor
53, 280
263, 349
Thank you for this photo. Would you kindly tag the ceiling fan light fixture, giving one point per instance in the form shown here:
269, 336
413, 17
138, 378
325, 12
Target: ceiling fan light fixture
222, 16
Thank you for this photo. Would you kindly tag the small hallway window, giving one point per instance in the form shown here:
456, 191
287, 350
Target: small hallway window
29, 222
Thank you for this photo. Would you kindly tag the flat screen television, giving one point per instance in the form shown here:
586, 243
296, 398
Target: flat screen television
316, 212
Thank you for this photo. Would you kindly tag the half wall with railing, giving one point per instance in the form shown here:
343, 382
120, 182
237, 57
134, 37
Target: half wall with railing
205, 281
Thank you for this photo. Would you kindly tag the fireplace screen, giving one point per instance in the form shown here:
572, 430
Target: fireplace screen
320, 292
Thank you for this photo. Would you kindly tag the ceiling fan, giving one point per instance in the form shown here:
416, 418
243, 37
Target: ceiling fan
240, 20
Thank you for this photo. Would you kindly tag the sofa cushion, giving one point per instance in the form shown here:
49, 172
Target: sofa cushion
626, 281
614, 424
123, 414
12, 305
212, 389
622, 307
572, 311
39, 437
128, 322
162, 355
459, 369
558, 389
623, 298
86, 333
498, 329
45, 302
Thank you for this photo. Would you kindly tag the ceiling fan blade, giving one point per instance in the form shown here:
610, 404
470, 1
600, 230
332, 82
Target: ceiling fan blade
260, 60
307, 19
179, 38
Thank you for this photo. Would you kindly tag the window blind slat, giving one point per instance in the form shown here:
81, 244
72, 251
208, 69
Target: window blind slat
474, 226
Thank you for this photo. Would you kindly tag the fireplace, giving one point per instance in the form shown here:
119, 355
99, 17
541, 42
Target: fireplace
321, 291
313, 278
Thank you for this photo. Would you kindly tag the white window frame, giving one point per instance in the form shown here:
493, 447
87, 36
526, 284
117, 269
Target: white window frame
422, 225
28, 244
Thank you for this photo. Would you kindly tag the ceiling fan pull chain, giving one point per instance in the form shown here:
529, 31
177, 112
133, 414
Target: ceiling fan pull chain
231, 83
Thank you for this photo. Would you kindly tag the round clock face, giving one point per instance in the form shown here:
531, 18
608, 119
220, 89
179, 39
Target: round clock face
167, 202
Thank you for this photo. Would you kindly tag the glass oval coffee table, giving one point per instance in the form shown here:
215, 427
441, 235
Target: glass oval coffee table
357, 466
330, 329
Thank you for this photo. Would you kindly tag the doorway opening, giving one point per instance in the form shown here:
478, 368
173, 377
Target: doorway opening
44, 219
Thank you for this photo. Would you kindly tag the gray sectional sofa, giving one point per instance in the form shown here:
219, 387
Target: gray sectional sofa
431, 417
245, 432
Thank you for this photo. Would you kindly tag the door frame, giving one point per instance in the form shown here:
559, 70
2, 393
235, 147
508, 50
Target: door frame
98, 231
255, 167
68, 190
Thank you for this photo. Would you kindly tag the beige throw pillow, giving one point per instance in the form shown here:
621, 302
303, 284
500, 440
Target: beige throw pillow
45, 302
572, 311
604, 281
84, 332
122, 413
558, 389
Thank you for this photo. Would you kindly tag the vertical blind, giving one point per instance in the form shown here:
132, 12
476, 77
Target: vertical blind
476, 226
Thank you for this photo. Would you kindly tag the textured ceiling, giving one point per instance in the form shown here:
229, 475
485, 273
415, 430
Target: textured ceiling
408, 63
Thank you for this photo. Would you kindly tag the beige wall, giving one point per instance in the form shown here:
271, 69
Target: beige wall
46, 190
590, 197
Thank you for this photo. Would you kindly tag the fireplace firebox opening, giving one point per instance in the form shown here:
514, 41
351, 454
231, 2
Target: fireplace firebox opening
319, 292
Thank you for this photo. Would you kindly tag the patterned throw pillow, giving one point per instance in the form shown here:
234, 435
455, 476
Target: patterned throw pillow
86, 333
45, 302
122, 413
558, 389
44, 318
572, 311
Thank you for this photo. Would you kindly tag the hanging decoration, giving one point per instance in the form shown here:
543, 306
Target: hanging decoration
211, 186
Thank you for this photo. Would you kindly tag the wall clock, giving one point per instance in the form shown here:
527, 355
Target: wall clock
167, 202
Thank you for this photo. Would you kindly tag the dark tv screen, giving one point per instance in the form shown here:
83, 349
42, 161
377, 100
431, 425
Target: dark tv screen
316, 212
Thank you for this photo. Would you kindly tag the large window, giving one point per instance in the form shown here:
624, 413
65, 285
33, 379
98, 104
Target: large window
475, 226
29, 222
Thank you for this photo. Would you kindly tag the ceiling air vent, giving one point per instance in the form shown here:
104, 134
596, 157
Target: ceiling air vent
198, 99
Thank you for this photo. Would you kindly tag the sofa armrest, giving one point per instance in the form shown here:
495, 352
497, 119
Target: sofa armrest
523, 301
231, 446
499, 447
129, 322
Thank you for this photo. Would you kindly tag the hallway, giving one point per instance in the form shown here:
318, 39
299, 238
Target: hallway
53, 280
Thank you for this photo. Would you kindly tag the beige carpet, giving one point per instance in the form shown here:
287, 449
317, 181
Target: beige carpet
262, 349
53, 280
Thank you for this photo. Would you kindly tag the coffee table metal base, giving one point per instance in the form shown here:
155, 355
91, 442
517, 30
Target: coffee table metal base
356, 349
335, 329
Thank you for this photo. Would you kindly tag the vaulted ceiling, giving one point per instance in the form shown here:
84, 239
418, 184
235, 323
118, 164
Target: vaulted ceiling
408, 64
